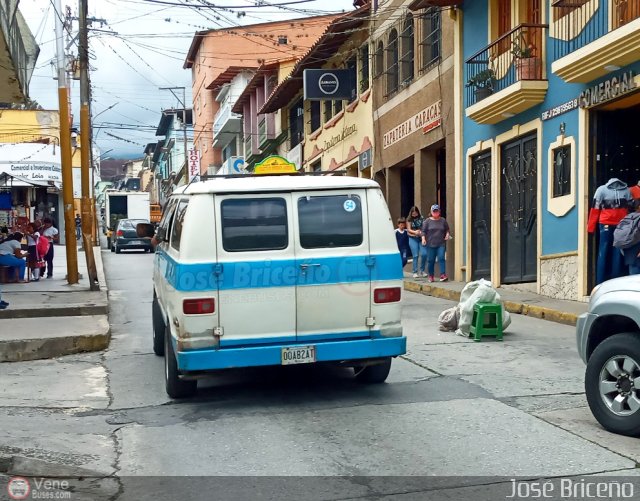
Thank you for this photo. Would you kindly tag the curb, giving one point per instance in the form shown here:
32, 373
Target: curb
22, 350
58, 311
542, 312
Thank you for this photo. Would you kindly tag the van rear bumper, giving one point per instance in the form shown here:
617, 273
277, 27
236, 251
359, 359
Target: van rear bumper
326, 351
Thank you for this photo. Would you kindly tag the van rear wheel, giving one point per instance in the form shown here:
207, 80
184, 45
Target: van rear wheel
158, 327
373, 374
176, 387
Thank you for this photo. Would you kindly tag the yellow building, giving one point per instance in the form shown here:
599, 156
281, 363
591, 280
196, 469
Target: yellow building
30, 168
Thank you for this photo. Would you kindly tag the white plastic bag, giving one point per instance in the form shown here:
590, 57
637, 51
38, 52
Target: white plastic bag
480, 291
449, 319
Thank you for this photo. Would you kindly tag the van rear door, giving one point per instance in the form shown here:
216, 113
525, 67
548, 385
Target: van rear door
256, 269
334, 265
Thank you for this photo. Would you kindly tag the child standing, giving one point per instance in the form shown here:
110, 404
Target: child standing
402, 237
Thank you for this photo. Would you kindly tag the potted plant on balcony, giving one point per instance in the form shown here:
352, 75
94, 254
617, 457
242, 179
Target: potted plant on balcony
484, 82
528, 65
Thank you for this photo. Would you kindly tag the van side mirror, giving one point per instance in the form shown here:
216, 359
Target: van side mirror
145, 230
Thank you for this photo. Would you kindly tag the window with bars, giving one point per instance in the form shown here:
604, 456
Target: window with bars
561, 171
337, 106
352, 66
378, 66
328, 110
430, 38
314, 112
406, 50
364, 67
392, 62
296, 117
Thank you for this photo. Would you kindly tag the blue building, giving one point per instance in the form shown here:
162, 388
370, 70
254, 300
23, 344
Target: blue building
549, 104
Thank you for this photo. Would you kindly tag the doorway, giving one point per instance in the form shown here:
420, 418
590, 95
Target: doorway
614, 152
519, 210
481, 216
407, 187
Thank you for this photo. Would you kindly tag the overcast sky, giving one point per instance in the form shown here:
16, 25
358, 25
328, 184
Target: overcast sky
142, 47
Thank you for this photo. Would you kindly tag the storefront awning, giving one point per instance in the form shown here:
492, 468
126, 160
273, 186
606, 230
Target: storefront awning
8, 180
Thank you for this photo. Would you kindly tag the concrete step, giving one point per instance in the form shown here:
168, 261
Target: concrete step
37, 338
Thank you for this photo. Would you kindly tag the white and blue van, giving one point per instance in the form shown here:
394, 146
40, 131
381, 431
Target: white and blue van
276, 270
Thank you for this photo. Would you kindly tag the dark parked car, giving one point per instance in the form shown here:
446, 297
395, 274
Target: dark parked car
608, 337
126, 237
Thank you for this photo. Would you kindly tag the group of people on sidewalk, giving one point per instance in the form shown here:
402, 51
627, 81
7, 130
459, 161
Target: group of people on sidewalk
38, 256
424, 239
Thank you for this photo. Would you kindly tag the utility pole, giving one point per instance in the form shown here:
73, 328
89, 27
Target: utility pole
65, 152
85, 148
184, 122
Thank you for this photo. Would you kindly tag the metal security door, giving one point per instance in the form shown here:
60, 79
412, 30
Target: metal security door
518, 207
481, 216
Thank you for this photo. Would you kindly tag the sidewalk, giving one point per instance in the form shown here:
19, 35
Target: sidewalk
51, 318
523, 303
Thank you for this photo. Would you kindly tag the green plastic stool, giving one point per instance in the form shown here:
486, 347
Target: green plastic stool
487, 321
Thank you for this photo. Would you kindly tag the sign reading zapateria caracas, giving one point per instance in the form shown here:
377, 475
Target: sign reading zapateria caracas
608, 90
426, 120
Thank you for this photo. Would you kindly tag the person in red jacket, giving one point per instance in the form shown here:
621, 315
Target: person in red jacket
611, 202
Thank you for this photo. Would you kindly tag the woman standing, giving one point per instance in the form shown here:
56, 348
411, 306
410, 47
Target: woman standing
435, 233
415, 221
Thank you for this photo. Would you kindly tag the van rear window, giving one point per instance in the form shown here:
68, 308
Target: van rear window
330, 221
254, 224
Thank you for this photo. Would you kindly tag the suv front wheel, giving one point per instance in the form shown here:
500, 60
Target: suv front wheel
612, 383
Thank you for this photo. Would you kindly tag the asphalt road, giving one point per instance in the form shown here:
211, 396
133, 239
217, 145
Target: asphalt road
455, 420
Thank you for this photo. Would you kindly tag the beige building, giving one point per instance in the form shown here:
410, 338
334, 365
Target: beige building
413, 108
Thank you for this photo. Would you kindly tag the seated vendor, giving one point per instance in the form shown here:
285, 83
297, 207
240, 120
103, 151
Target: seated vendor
11, 254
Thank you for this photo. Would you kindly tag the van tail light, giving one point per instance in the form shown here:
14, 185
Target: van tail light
119, 233
199, 306
387, 295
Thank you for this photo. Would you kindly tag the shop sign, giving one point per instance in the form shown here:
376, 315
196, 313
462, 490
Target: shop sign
346, 132
33, 172
275, 164
427, 120
560, 109
364, 159
328, 84
194, 164
608, 90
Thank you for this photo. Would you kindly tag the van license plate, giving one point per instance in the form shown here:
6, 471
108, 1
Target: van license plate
298, 355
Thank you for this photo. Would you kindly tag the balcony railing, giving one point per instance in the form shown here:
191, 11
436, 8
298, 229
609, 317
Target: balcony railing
580, 22
223, 116
514, 57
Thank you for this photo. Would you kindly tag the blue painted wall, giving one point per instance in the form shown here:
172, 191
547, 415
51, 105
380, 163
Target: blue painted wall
559, 234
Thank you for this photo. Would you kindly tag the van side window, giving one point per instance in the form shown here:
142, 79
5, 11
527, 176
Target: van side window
165, 223
330, 221
178, 221
254, 224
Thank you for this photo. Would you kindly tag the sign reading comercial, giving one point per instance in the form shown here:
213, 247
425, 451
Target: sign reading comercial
608, 90
426, 120
324, 84
194, 164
